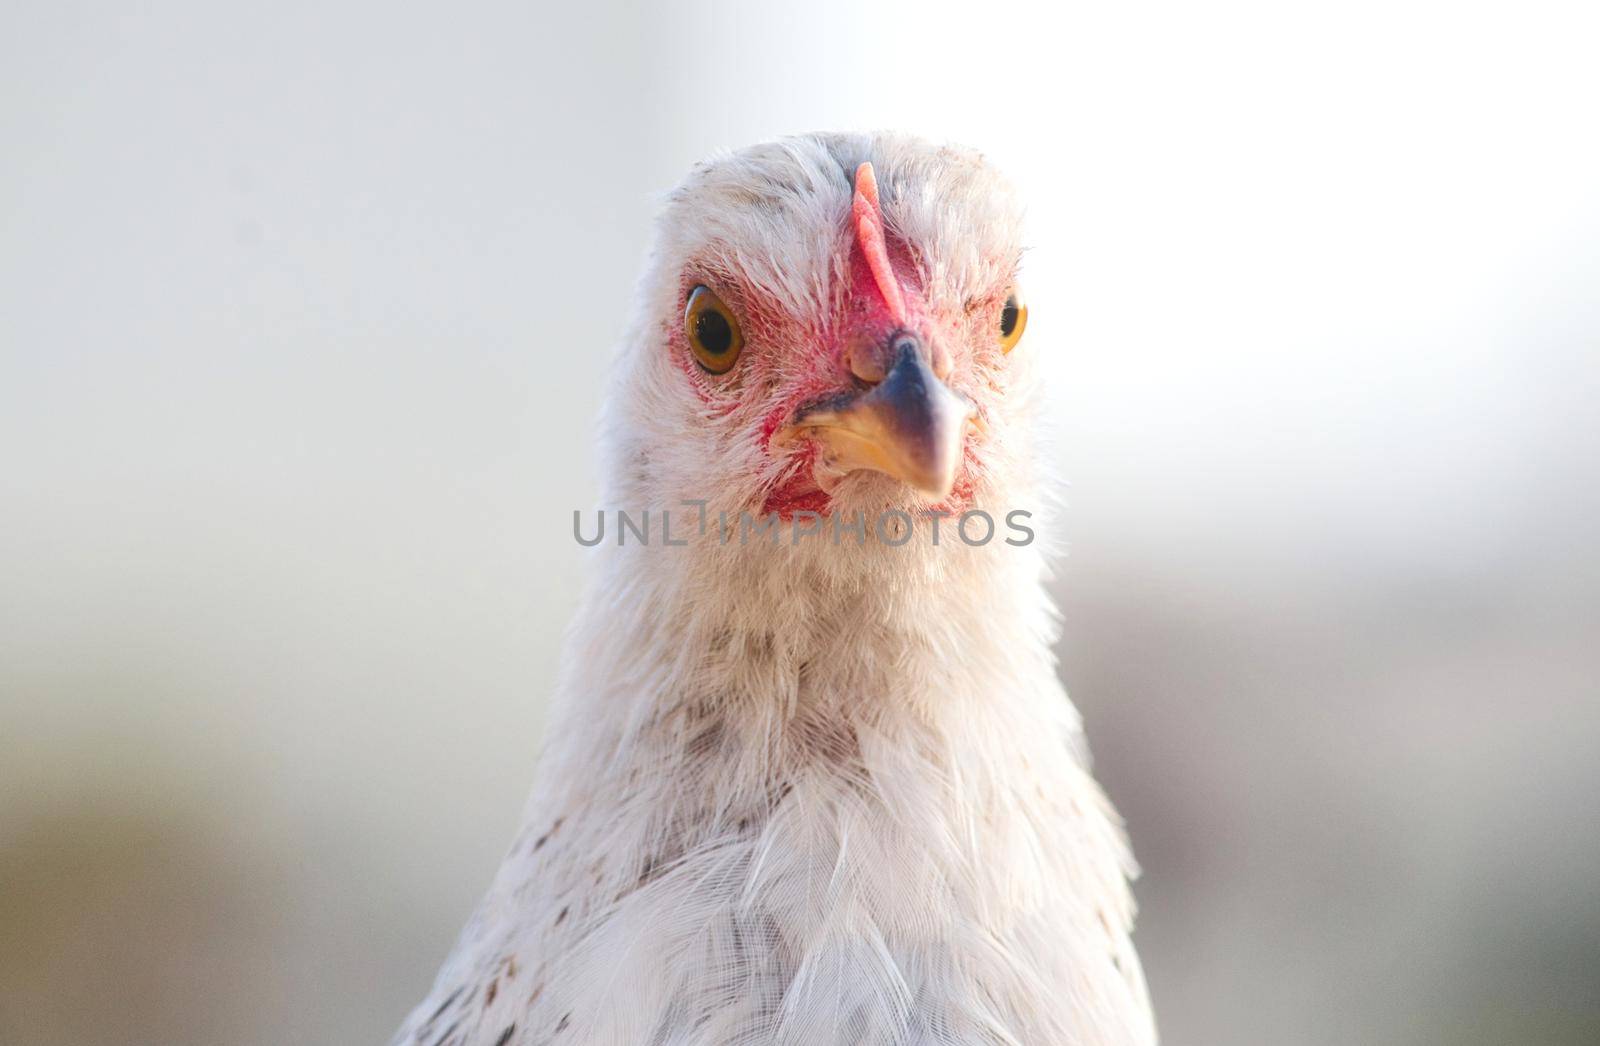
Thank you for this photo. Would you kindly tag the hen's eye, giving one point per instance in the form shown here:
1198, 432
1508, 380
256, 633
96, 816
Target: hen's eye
1013, 319
712, 331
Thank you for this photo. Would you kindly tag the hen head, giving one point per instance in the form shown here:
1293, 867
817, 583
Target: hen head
831, 323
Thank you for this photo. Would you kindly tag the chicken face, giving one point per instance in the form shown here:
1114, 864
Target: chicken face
840, 316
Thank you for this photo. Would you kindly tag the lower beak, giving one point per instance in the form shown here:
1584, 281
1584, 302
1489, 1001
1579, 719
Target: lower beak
910, 426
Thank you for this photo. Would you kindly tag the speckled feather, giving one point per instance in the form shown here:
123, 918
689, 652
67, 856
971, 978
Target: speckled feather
821, 793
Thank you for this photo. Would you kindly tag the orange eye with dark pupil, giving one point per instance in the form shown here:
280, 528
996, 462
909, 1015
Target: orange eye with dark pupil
712, 330
1013, 320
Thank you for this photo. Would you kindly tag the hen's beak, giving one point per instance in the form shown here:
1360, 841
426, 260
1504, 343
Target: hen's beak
910, 426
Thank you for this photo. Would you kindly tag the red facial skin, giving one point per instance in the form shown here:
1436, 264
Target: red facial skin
817, 367
866, 318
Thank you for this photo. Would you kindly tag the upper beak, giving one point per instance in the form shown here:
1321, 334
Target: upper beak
910, 426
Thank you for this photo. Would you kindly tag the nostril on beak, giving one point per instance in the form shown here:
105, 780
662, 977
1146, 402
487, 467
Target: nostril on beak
866, 363
871, 361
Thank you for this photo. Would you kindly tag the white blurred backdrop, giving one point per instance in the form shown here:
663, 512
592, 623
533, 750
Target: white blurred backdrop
304, 315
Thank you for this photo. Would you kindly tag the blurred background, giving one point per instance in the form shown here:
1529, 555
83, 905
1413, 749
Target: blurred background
304, 314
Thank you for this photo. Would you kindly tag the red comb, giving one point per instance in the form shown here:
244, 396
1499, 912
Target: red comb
874, 245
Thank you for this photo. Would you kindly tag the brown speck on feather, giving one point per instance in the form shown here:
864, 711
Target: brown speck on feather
828, 741
561, 1025
562, 916
505, 1036
490, 992
554, 828
706, 741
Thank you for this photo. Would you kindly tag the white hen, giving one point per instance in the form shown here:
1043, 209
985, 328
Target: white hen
822, 789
